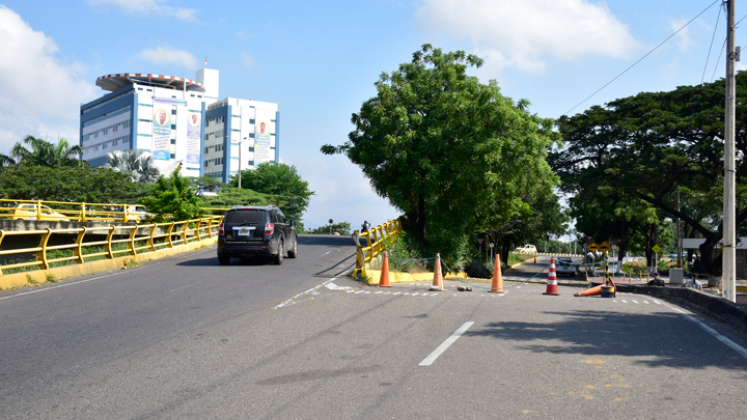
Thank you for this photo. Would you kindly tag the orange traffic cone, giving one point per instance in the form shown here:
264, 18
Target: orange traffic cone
596, 290
552, 280
384, 280
497, 286
437, 277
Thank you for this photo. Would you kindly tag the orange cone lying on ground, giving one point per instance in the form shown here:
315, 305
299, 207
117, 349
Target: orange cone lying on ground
552, 280
596, 290
437, 278
384, 280
497, 286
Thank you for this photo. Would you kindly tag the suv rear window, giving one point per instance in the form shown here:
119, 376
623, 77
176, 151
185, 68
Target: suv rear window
246, 216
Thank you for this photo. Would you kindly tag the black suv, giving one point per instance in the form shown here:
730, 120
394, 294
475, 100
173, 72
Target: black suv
256, 231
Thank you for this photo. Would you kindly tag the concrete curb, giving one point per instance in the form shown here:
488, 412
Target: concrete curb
12, 281
722, 309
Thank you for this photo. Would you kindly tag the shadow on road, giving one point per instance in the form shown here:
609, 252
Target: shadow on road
600, 333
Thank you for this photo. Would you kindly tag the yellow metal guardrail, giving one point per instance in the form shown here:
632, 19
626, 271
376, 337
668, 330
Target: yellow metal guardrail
80, 212
376, 238
177, 233
547, 254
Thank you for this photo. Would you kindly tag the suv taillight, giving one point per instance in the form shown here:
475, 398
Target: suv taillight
269, 229
220, 229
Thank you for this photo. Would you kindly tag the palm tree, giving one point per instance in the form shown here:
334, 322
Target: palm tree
138, 164
6, 161
44, 153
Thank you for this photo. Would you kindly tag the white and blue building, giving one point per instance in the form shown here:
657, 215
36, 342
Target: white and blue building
180, 122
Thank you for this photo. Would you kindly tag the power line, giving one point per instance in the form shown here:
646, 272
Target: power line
711, 46
722, 49
719, 59
641, 59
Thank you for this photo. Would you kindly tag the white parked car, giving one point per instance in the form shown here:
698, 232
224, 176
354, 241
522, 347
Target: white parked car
565, 266
526, 249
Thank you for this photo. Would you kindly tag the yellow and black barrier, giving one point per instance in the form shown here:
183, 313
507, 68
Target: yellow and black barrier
377, 239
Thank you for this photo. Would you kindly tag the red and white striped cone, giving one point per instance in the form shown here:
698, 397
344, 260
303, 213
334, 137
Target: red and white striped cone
552, 280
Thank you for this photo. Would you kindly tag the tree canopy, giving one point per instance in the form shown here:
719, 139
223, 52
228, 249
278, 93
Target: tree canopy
44, 153
629, 162
174, 198
283, 182
136, 163
75, 184
451, 153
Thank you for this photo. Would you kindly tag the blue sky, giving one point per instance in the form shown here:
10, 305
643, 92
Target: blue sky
319, 60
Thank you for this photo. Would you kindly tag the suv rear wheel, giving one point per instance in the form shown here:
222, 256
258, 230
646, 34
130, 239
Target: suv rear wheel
278, 259
293, 253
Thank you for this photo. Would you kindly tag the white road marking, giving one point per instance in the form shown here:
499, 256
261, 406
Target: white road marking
326, 253
332, 286
434, 294
646, 302
736, 347
406, 293
379, 292
635, 301
68, 284
625, 301
415, 294
614, 301
445, 345
396, 293
656, 302
359, 291
184, 287
349, 291
368, 293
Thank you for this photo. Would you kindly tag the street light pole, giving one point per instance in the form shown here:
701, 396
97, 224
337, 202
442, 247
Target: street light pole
229, 167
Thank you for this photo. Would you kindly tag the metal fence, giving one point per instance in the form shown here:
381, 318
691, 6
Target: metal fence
377, 239
78, 212
177, 233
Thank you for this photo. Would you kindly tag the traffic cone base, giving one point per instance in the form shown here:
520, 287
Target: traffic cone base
438, 280
497, 286
384, 280
552, 280
596, 290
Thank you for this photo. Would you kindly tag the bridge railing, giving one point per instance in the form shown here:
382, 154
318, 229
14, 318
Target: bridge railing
79, 212
377, 239
177, 233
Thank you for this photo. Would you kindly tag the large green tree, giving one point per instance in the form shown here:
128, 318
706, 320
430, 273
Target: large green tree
174, 198
76, 184
44, 153
291, 193
448, 151
658, 145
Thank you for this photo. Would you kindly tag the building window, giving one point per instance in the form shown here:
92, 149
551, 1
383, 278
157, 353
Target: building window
173, 156
149, 90
199, 96
206, 150
251, 135
192, 95
233, 129
237, 116
173, 141
251, 121
148, 105
139, 88
251, 163
173, 111
251, 149
144, 120
173, 127
207, 163
206, 136
173, 96
273, 121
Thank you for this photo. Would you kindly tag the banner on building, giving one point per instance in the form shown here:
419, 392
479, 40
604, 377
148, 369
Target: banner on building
194, 136
162, 134
262, 142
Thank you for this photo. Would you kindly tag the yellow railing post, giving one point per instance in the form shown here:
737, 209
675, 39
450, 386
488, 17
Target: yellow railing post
2, 235
168, 235
82, 212
151, 243
78, 250
42, 255
38, 210
132, 240
197, 229
210, 227
108, 245
184, 232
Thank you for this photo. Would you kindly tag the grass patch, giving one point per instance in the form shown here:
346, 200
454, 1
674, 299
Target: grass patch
52, 278
32, 281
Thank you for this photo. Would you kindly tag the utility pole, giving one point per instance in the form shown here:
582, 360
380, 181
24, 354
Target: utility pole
729, 253
679, 234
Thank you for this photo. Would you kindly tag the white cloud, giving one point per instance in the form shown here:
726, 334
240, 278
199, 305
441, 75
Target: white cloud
150, 7
163, 55
683, 37
246, 60
40, 94
525, 33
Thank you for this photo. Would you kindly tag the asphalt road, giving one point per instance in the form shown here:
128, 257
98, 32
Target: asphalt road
184, 338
